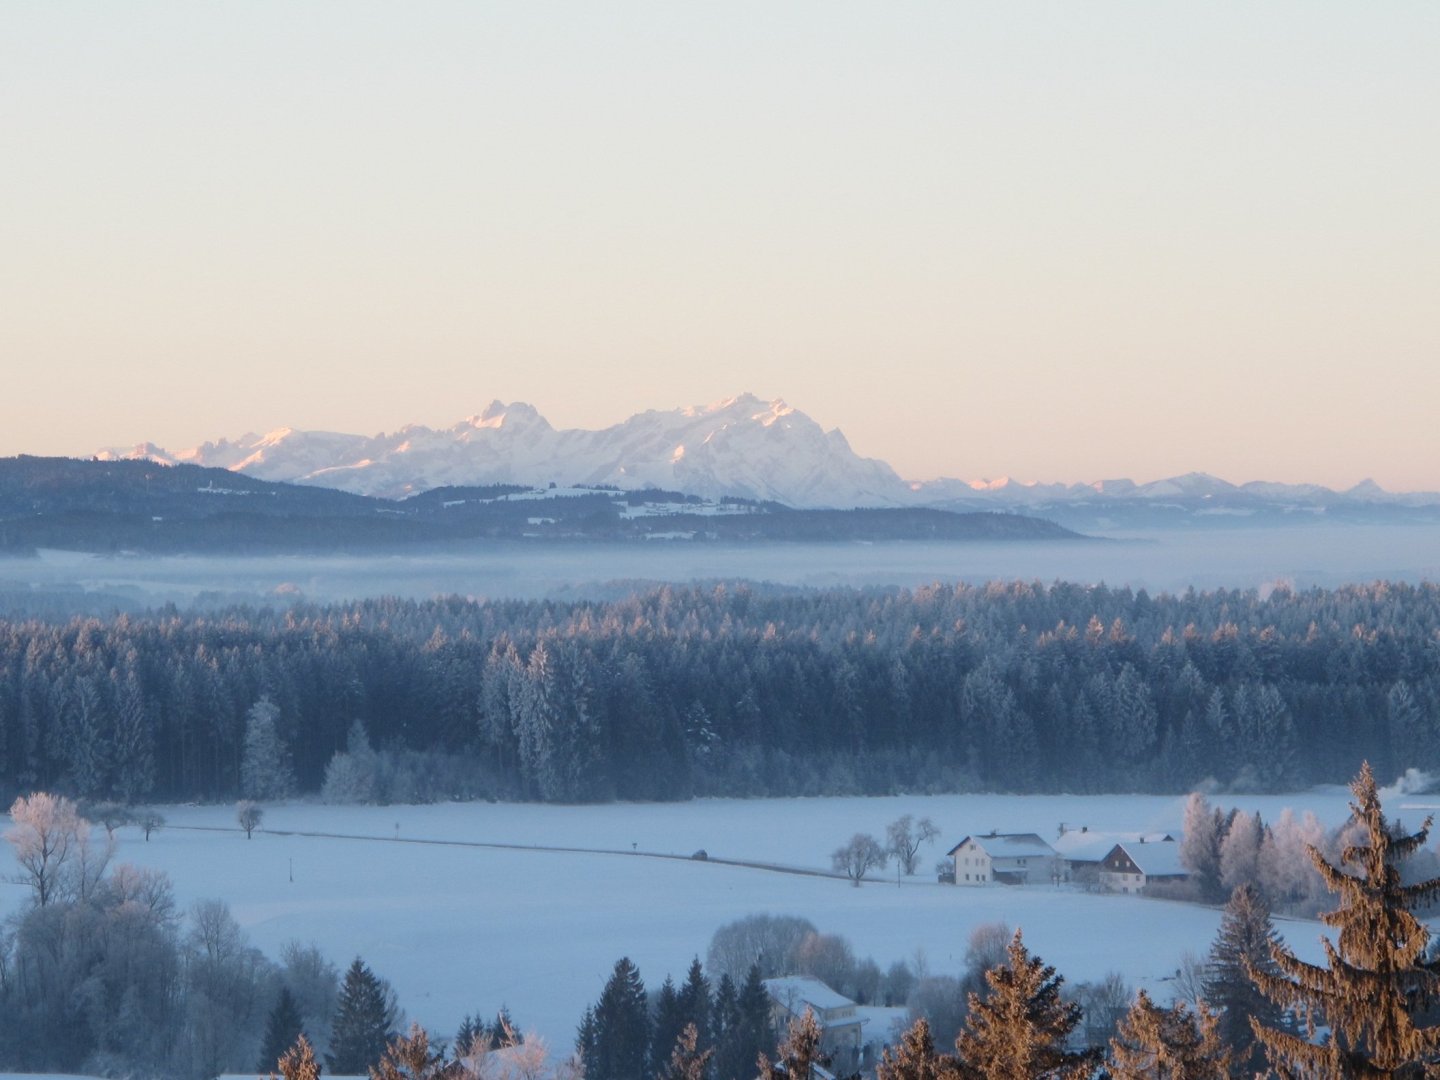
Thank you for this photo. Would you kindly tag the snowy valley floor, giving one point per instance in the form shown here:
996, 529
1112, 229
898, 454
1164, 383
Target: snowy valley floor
462, 929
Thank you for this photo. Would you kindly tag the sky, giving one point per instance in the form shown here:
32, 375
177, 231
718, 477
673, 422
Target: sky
1045, 240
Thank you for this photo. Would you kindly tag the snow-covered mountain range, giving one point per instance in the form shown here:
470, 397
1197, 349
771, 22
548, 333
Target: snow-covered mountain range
742, 447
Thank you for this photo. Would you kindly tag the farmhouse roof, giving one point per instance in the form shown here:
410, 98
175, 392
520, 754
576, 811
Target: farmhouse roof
1156, 860
797, 991
1008, 845
1092, 845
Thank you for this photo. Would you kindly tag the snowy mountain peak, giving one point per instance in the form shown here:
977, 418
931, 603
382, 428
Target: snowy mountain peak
741, 446
498, 415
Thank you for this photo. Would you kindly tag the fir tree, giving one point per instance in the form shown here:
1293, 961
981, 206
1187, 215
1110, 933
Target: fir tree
298, 1063
687, 1061
1376, 980
470, 1030
265, 771
621, 1028
695, 1002
1020, 1029
503, 1031
283, 1029
1168, 1044
586, 1043
410, 1057
362, 1022
669, 1024
798, 1052
915, 1058
1244, 943
748, 1031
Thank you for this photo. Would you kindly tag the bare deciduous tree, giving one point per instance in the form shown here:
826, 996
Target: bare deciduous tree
905, 835
249, 815
861, 854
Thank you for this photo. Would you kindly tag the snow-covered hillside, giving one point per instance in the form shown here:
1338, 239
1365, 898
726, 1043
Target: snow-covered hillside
461, 929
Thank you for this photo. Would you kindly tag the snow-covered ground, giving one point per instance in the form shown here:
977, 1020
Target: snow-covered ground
460, 928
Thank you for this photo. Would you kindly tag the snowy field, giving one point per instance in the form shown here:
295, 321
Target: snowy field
461, 928
1158, 560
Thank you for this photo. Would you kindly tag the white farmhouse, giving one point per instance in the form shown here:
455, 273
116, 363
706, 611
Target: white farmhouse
1129, 867
840, 1023
1011, 858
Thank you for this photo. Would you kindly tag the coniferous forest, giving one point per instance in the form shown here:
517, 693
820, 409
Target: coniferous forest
731, 690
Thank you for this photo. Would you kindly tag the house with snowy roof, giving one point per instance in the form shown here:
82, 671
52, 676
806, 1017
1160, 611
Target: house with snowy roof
1130, 866
838, 1017
1082, 849
1008, 858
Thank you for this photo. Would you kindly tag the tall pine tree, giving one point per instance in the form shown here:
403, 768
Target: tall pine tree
1019, 1031
1376, 980
283, 1028
615, 1046
1168, 1044
362, 1022
1244, 943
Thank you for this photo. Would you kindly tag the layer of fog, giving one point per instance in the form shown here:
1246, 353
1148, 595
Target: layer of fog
1162, 561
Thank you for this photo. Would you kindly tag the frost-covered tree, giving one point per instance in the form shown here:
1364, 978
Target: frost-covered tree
1375, 984
1204, 832
858, 856
47, 835
915, 1058
1167, 1044
904, 836
353, 775
1020, 1030
411, 1057
265, 771
248, 816
298, 1063
687, 1060
798, 1053
1240, 852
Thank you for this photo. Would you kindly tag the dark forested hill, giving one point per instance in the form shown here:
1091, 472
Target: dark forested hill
109, 506
743, 691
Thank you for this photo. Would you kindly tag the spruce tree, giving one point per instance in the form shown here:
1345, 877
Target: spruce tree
668, 1025
915, 1058
283, 1028
798, 1052
1020, 1029
586, 1048
621, 1033
1168, 1044
749, 1030
695, 1003
1244, 943
1376, 980
362, 1022
687, 1060
298, 1063
409, 1057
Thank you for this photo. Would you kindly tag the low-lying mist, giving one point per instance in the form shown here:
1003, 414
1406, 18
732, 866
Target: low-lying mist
1159, 561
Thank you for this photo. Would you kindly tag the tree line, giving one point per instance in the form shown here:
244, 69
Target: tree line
677, 692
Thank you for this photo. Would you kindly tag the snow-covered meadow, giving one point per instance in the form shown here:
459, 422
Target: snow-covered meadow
460, 928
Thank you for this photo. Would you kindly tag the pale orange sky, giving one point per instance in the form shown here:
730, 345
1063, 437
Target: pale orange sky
1051, 241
